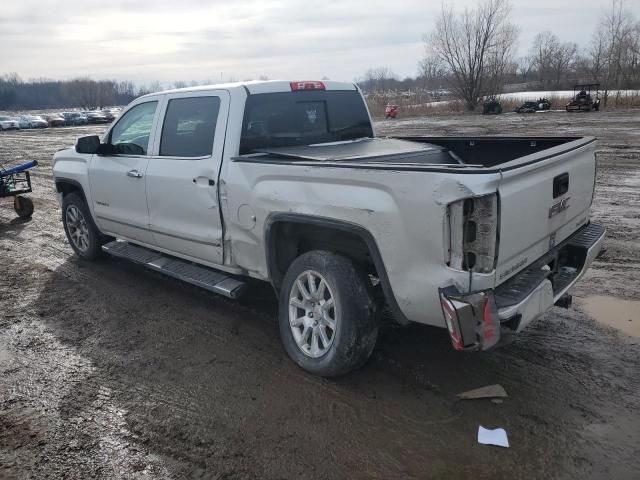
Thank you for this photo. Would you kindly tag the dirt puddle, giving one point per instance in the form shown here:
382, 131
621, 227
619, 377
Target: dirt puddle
615, 312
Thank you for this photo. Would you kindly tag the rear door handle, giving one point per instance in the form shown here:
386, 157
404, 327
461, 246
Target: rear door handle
134, 174
204, 181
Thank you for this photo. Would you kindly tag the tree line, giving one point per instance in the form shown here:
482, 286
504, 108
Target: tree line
472, 55
85, 93
16, 94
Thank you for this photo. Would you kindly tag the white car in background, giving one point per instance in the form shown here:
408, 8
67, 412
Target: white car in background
33, 121
9, 123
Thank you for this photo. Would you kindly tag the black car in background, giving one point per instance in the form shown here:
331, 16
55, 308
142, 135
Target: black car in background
96, 117
74, 118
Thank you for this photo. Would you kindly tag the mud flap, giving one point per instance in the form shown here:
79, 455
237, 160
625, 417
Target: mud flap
472, 319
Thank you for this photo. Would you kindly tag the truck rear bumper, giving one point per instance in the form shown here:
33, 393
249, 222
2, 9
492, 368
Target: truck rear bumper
479, 320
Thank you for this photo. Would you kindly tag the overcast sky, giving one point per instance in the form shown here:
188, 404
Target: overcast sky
166, 40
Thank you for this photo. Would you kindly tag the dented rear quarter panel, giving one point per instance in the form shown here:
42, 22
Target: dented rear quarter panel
405, 212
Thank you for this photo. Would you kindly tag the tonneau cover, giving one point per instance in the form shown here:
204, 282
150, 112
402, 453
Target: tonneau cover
367, 149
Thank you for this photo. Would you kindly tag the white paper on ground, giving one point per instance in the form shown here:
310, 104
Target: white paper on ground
493, 437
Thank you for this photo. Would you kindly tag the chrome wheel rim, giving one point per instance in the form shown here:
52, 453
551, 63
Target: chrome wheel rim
77, 228
312, 314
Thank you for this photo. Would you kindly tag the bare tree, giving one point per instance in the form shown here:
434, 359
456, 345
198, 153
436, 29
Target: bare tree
476, 47
524, 68
90, 94
431, 70
563, 62
543, 50
11, 78
378, 80
615, 48
597, 54
551, 59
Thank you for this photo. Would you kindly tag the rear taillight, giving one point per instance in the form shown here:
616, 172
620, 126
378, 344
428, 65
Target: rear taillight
307, 85
473, 231
451, 319
472, 319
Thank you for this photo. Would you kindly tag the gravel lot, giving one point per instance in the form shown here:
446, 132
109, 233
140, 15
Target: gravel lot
111, 371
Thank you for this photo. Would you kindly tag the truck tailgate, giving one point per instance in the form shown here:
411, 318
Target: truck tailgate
543, 201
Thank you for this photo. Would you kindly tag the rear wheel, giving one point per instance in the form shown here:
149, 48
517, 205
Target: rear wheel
23, 206
84, 237
327, 314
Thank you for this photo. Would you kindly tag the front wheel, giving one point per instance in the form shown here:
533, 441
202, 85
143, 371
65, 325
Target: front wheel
83, 235
327, 314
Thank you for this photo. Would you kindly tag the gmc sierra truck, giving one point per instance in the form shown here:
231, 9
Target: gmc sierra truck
286, 182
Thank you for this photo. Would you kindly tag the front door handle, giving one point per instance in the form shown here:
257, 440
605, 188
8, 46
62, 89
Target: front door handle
134, 174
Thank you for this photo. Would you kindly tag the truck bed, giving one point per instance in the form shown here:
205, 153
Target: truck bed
470, 154
493, 151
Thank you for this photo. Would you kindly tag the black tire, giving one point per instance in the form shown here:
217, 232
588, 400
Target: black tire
94, 239
355, 314
23, 206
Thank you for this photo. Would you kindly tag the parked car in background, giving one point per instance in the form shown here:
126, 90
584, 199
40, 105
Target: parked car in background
110, 114
74, 118
55, 120
96, 117
9, 123
32, 121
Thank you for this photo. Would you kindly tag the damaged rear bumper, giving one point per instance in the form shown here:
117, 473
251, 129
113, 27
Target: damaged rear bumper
479, 320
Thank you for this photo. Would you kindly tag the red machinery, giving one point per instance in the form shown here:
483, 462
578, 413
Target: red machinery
391, 111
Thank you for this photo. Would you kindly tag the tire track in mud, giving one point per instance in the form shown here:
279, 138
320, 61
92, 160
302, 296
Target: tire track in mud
54, 258
100, 281
39, 404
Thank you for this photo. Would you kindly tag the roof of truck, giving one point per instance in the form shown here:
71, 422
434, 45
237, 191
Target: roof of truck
262, 86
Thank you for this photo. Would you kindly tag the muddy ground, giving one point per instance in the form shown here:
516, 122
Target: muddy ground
111, 371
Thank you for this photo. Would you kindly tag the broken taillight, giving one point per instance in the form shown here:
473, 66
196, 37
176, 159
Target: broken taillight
472, 319
307, 85
473, 231
451, 319
489, 328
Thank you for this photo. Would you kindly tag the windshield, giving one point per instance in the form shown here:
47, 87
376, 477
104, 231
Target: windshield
303, 118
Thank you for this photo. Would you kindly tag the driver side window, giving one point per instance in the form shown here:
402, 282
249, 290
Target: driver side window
130, 136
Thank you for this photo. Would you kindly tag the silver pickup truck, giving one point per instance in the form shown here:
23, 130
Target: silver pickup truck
286, 182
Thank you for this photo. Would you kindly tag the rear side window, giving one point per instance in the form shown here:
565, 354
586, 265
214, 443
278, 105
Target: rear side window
189, 127
303, 118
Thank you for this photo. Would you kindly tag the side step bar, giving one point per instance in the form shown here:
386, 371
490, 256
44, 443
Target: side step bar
204, 277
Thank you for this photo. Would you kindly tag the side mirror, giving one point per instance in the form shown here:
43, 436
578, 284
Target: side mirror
88, 144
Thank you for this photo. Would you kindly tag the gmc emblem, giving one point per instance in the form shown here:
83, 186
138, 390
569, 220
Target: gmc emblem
561, 206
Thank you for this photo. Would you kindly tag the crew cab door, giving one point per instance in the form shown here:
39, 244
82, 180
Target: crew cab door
182, 189
117, 182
